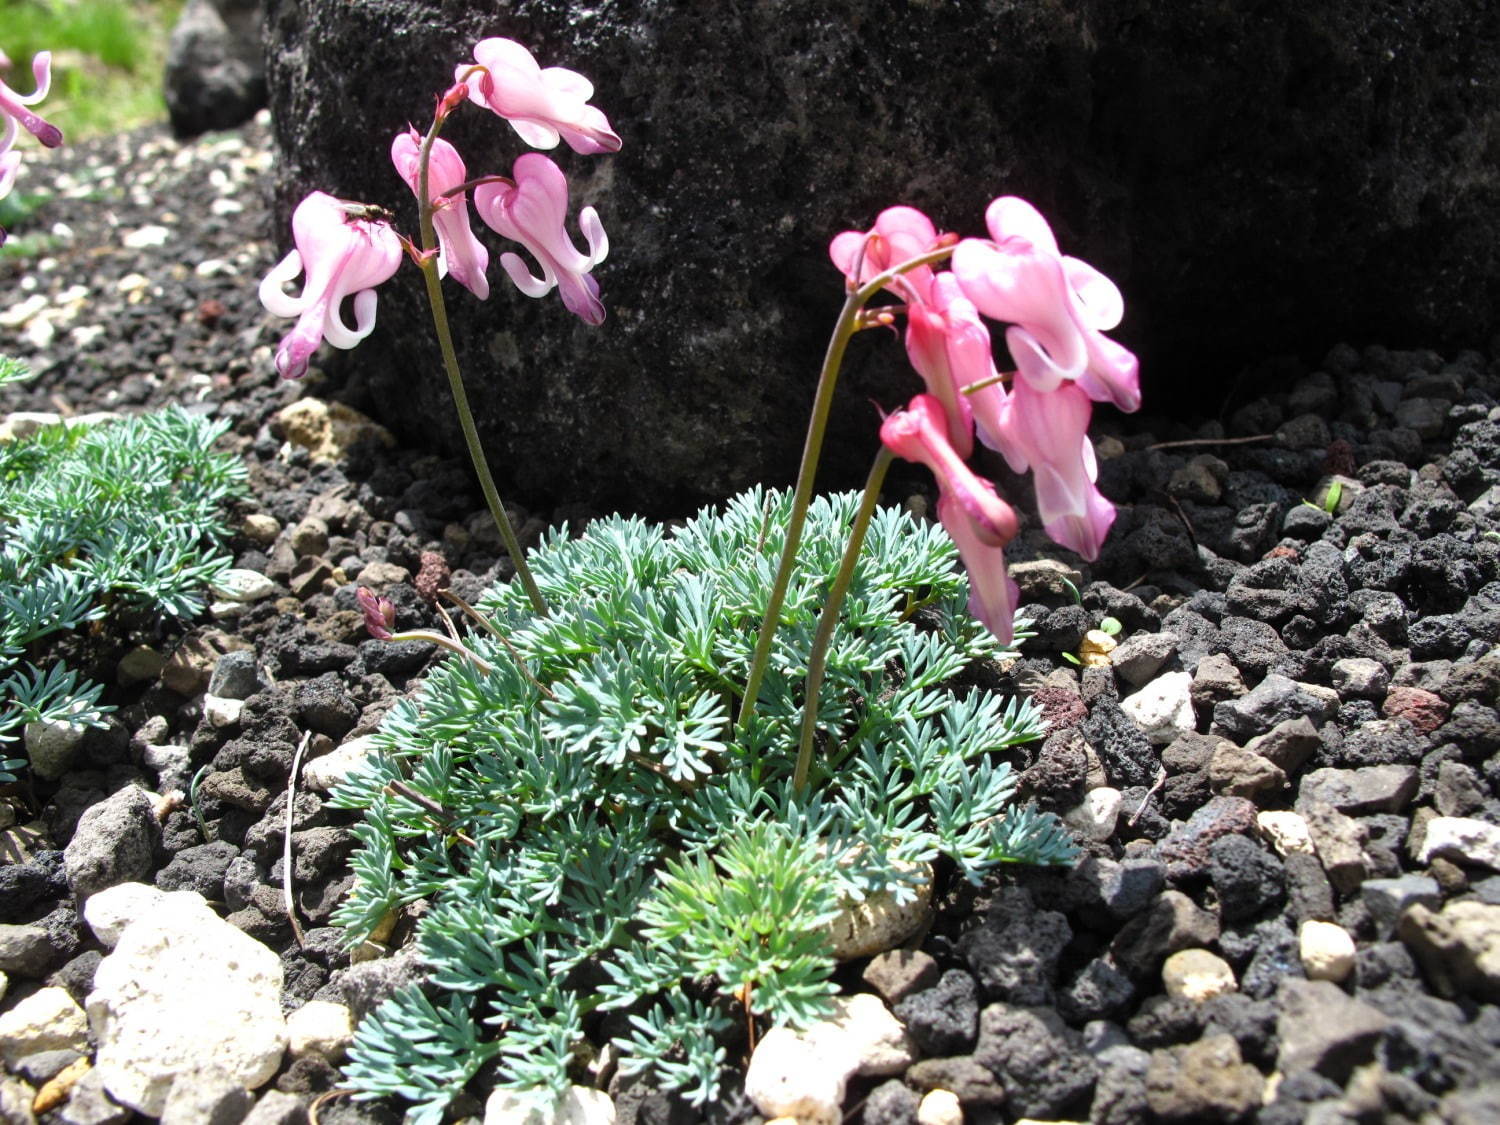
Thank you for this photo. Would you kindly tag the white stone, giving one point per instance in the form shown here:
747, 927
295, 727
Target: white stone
47, 1020
327, 771
16, 1100
146, 237
1163, 709
1096, 817
184, 990
39, 332
86, 336
109, 911
1462, 838
320, 1027
51, 746
1327, 950
221, 712
578, 1106
1197, 975
882, 921
23, 423
863, 1028
940, 1107
4, 984
22, 311
1287, 832
790, 1077
165, 758
240, 585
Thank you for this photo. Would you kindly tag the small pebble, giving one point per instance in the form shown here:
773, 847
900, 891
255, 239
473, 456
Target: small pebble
1327, 951
1197, 975
940, 1107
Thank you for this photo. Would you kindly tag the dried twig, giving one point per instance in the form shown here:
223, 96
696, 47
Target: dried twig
474, 615
286, 853
1161, 779
1191, 443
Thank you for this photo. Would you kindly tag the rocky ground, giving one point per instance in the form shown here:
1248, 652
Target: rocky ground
1284, 774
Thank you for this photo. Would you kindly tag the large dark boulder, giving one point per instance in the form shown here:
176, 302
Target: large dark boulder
215, 73
1258, 178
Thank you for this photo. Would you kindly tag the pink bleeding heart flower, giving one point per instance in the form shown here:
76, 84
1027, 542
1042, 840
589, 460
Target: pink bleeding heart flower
949, 346
9, 163
1058, 306
542, 106
380, 614
534, 212
899, 235
1047, 431
993, 594
976, 519
344, 254
15, 108
459, 252
920, 433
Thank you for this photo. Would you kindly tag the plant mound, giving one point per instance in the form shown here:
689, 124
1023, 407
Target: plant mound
120, 515
592, 832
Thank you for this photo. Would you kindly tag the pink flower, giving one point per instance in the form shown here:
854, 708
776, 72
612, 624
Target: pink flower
993, 594
1057, 306
541, 105
1047, 431
14, 107
534, 211
899, 235
9, 162
459, 252
920, 433
380, 614
976, 519
949, 346
343, 255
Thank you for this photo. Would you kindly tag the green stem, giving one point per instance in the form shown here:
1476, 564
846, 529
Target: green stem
456, 379
817, 661
817, 425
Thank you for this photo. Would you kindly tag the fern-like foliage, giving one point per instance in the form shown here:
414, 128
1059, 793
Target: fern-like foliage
610, 841
127, 513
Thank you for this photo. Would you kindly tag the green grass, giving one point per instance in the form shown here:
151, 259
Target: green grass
107, 59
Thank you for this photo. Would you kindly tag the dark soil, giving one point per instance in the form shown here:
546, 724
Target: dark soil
1340, 664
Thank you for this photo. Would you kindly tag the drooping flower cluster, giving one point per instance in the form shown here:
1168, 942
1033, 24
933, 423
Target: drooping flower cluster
346, 249
1056, 308
15, 113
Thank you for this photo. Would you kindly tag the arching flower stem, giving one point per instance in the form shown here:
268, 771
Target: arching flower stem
428, 264
817, 660
849, 322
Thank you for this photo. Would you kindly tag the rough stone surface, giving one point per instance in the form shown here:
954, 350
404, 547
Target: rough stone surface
1325, 1030
47, 1020
113, 842
183, 989
1041, 1064
578, 1105
789, 1077
862, 1028
1207, 1080
1464, 839
1459, 947
1220, 124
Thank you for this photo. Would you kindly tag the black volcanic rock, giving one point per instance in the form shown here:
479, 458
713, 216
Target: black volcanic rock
1256, 179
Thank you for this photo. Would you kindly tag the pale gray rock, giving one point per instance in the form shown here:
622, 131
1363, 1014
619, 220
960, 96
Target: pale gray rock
184, 990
